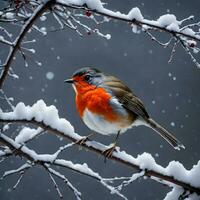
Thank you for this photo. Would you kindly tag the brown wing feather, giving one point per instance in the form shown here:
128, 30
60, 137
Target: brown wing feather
133, 104
126, 97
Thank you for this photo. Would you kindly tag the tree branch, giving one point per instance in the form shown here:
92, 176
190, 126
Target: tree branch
185, 35
117, 156
46, 160
144, 24
13, 49
112, 15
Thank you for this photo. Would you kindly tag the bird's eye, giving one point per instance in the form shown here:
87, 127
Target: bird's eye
87, 77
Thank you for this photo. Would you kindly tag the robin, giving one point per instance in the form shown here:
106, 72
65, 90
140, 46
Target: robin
107, 106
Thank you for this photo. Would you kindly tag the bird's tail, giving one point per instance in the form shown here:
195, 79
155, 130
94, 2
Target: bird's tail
165, 134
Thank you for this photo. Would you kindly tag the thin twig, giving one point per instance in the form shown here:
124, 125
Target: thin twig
55, 185
19, 179
66, 181
153, 38
189, 53
18, 170
173, 51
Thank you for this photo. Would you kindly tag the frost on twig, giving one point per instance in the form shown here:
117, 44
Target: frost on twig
47, 118
131, 179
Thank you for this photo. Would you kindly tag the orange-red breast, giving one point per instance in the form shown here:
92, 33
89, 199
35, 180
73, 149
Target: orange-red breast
108, 106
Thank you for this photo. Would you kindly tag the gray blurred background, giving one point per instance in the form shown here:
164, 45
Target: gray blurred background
169, 91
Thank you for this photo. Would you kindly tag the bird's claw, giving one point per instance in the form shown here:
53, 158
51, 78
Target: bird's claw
108, 152
82, 140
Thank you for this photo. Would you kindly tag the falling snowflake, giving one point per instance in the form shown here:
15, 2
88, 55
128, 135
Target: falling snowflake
49, 75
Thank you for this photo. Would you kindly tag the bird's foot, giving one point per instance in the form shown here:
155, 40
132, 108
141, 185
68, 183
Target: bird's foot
84, 139
108, 152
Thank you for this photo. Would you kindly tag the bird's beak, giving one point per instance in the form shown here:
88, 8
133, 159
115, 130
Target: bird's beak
70, 80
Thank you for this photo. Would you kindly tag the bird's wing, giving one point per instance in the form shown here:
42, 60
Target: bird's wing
126, 97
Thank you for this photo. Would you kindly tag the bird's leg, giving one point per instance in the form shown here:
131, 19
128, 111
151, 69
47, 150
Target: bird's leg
84, 139
108, 152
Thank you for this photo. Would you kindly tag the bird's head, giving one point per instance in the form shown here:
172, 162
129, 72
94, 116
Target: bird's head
85, 79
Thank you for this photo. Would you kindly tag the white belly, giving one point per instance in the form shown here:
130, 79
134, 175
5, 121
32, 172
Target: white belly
99, 124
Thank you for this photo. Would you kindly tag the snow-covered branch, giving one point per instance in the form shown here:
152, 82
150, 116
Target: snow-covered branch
47, 118
73, 14
186, 34
16, 44
47, 161
26, 13
167, 23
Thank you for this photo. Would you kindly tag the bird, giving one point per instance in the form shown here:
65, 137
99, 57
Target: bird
109, 107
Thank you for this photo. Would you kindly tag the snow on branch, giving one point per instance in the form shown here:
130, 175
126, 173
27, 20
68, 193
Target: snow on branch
69, 14
25, 14
47, 161
47, 118
25, 28
179, 30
